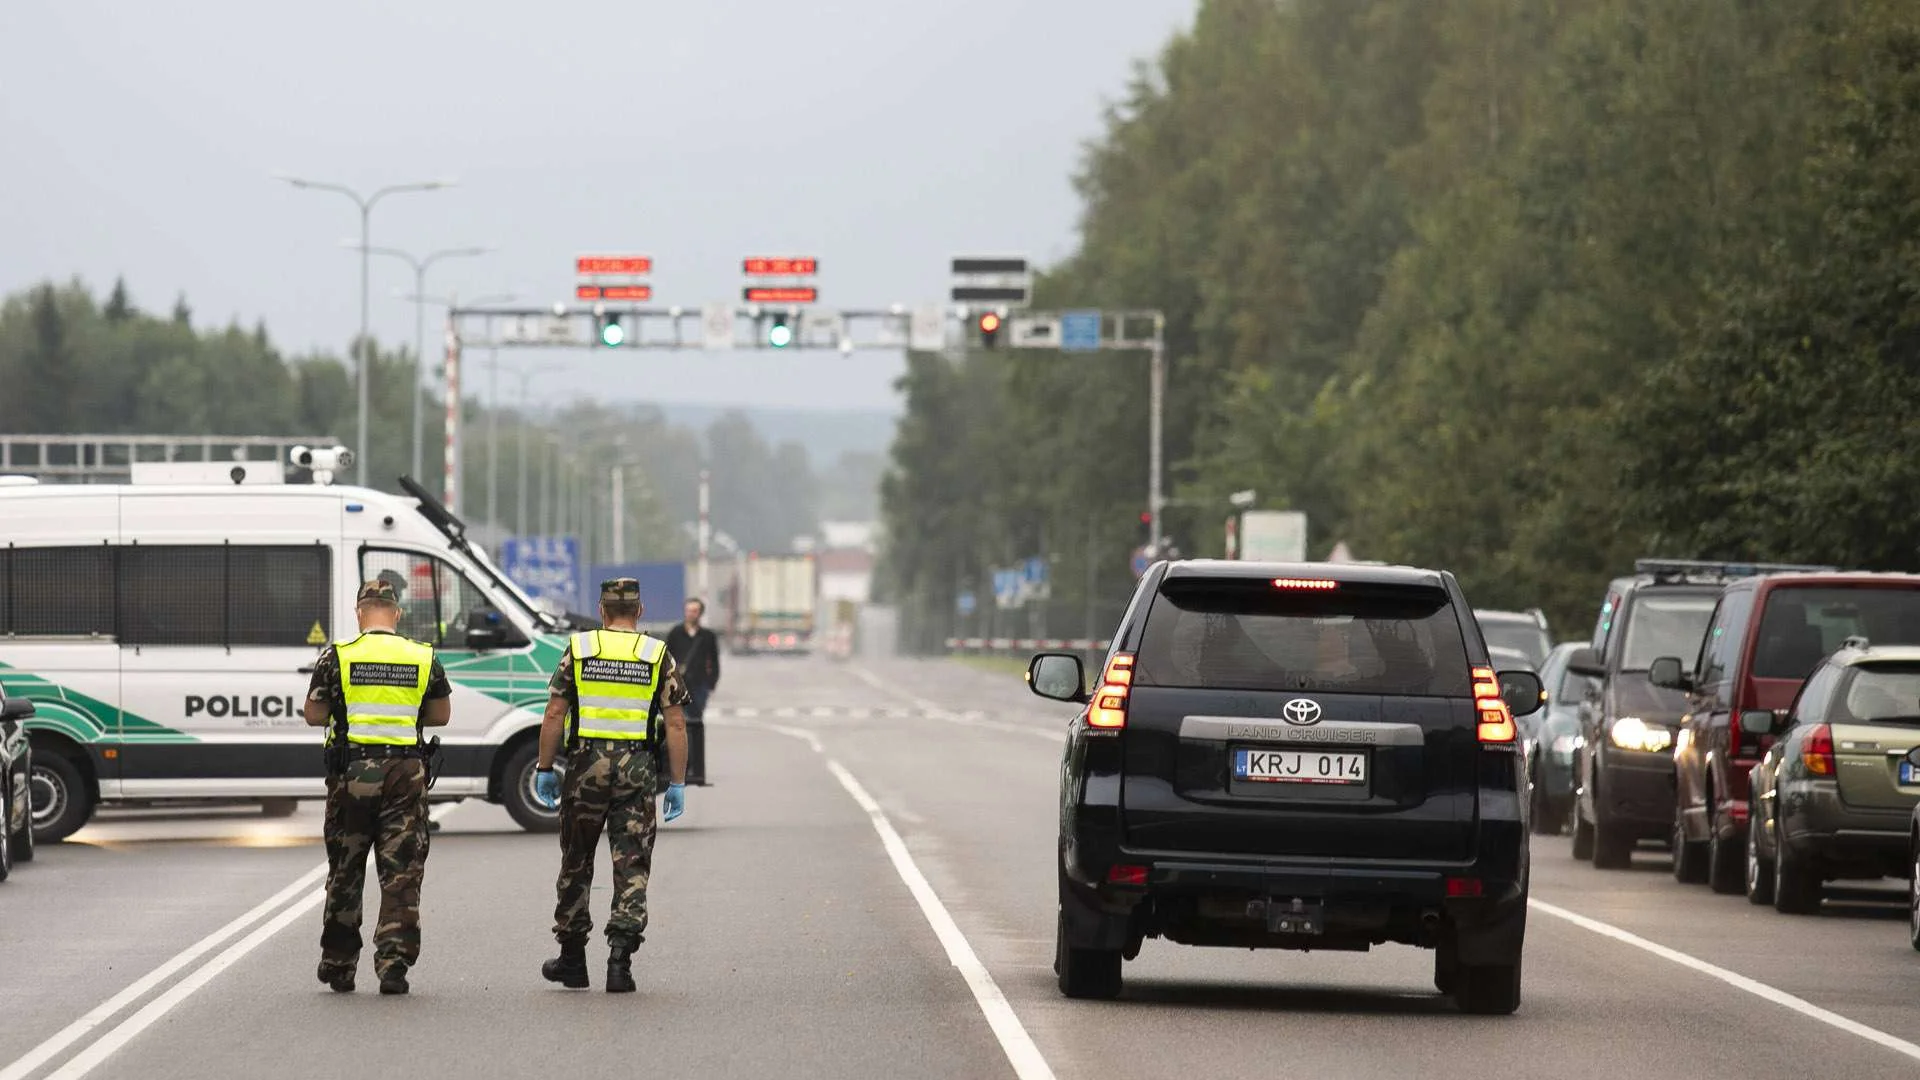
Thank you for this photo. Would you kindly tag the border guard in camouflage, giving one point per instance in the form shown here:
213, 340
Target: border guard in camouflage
608, 698
374, 694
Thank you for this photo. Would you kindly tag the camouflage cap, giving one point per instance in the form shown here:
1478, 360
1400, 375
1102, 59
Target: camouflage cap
394, 578
620, 588
377, 591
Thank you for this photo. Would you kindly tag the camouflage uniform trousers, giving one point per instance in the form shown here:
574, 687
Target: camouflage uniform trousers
612, 791
380, 806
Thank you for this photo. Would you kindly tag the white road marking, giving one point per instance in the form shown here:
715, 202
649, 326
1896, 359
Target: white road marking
1022, 1054
1734, 979
118, 1036
21, 1067
102, 1048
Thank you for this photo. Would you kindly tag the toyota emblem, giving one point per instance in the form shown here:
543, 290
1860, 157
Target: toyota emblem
1301, 711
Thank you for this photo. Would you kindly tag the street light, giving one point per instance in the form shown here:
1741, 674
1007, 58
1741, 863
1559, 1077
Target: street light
493, 439
366, 204
420, 265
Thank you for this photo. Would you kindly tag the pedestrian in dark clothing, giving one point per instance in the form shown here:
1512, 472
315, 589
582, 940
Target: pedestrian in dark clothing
696, 652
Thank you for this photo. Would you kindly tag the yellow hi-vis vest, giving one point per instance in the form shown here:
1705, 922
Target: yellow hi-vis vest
383, 679
616, 674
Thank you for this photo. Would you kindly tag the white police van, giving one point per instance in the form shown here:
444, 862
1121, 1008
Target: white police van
166, 632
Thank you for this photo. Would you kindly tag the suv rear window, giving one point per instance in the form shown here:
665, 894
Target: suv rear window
1227, 634
1802, 625
1881, 693
1666, 624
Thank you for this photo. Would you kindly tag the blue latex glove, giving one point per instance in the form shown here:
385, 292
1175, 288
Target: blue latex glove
676, 800
546, 788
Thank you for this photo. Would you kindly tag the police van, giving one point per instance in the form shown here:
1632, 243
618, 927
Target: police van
166, 632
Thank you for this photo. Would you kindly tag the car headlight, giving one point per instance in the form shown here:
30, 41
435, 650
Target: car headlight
1633, 733
1566, 744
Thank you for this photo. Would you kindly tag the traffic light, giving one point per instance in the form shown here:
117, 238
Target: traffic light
780, 332
989, 329
1146, 525
611, 332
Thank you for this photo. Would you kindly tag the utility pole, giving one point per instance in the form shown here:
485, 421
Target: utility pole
619, 489
1156, 404
706, 530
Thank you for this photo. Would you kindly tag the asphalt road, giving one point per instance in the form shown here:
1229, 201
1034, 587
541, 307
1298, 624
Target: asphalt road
866, 891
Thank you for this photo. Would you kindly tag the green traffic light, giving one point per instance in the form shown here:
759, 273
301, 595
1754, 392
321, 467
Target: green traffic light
612, 333
780, 335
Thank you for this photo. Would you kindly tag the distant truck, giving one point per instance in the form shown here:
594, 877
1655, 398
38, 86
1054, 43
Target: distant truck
778, 595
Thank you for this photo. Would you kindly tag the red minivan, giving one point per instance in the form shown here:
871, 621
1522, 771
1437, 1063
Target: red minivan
1765, 637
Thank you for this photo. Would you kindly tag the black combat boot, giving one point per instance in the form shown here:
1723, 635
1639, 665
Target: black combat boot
395, 980
620, 969
569, 969
337, 975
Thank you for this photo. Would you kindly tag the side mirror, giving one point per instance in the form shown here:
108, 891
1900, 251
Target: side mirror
1058, 677
1585, 661
1522, 692
16, 710
1756, 722
488, 629
1666, 672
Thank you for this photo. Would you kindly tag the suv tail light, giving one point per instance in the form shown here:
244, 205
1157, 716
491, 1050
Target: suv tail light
1108, 711
1817, 752
1496, 722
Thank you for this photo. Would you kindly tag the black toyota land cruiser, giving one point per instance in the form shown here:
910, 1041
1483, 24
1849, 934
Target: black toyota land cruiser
1295, 756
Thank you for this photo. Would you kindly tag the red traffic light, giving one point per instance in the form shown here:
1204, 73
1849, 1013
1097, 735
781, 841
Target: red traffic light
1146, 517
989, 323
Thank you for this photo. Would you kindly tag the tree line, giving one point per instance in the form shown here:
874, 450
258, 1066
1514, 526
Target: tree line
1522, 288
73, 363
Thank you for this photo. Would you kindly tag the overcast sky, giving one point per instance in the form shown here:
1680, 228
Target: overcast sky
882, 136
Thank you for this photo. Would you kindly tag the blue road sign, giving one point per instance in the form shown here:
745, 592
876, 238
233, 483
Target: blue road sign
1034, 571
1140, 562
964, 603
547, 567
1080, 331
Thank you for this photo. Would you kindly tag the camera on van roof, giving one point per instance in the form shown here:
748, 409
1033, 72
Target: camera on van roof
324, 461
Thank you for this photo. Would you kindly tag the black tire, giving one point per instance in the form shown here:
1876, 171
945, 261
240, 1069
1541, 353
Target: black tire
1796, 888
1088, 974
1726, 861
1913, 902
1541, 820
1612, 846
6, 834
23, 840
1581, 829
1488, 989
1446, 968
1689, 857
279, 808
516, 791
62, 802
1759, 871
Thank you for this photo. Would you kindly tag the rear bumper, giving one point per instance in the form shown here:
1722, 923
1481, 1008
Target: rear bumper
1819, 827
1216, 901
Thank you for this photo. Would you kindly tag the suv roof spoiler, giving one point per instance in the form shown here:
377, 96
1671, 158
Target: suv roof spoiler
1698, 570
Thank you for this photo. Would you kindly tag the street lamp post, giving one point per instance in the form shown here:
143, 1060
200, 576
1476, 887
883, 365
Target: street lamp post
366, 204
520, 492
420, 265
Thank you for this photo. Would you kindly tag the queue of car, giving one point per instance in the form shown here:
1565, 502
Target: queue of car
1762, 722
